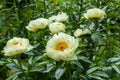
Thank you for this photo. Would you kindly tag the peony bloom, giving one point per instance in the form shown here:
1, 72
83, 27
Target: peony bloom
94, 13
56, 27
17, 46
80, 32
61, 47
39, 23
52, 19
59, 18
62, 17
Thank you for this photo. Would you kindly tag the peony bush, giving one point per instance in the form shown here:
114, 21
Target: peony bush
59, 40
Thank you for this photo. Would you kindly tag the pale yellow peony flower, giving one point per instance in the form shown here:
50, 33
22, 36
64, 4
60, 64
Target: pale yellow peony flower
56, 27
58, 18
39, 23
17, 46
62, 17
80, 32
52, 18
61, 47
94, 13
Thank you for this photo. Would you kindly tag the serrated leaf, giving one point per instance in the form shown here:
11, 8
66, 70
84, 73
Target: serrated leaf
92, 70
59, 72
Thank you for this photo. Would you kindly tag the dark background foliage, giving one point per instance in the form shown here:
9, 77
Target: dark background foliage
98, 53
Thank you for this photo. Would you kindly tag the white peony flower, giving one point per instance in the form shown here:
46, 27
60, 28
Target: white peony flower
17, 46
39, 23
61, 47
62, 17
56, 27
94, 13
80, 32
52, 19
59, 18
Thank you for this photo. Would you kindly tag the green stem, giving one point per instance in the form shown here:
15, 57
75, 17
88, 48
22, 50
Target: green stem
19, 61
97, 3
108, 45
16, 12
81, 6
96, 24
68, 73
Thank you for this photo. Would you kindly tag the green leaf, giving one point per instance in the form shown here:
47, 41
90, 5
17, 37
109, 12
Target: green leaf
92, 70
37, 69
29, 53
96, 38
14, 76
84, 59
12, 66
117, 63
107, 69
59, 72
116, 69
95, 77
100, 73
113, 59
36, 45
30, 61
37, 58
48, 68
2, 62
78, 64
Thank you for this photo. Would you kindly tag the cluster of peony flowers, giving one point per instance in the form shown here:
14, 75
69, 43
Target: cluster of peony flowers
94, 13
54, 22
58, 18
61, 46
17, 46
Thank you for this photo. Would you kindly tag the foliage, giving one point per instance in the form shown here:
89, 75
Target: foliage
98, 54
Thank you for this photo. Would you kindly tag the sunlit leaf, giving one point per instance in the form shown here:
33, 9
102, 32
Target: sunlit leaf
59, 72
116, 69
92, 70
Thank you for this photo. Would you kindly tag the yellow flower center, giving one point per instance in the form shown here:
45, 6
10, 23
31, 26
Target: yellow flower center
61, 46
16, 43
